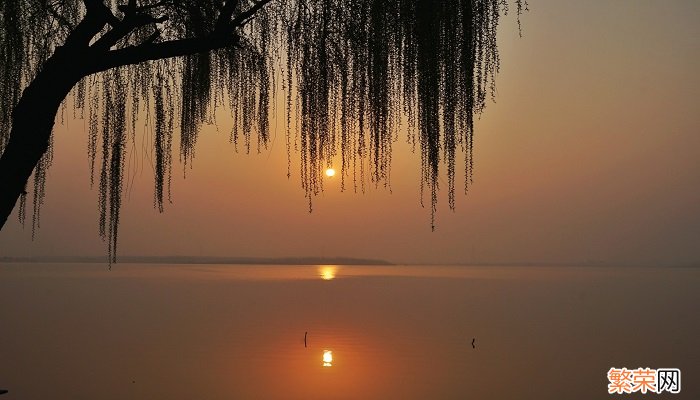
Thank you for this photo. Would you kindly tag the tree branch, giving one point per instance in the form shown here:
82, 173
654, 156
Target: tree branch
225, 15
157, 51
103, 59
152, 38
129, 9
243, 17
57, 16
97, 16
99, 8
127, 25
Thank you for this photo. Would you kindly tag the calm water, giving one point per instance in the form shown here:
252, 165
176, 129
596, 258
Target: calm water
237, 332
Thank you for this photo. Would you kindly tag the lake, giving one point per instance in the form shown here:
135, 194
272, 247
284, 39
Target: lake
80, 331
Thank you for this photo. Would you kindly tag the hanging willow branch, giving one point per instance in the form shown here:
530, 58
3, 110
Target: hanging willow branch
356, 73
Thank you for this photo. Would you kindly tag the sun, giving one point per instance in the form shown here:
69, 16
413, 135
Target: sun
327, 358
330, 172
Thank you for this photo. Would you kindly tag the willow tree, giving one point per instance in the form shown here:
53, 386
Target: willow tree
353, 72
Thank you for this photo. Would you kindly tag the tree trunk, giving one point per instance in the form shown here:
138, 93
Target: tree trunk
32, 122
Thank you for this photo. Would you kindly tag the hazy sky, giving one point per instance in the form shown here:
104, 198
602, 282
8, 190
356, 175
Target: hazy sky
590, 153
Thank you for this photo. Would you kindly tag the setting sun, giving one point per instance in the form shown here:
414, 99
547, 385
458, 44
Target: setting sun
327, 358
330, 172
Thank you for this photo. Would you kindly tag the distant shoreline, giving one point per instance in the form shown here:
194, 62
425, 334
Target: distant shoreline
313, 261
203, 260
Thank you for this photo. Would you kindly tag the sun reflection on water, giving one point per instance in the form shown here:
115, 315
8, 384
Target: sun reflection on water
327, 272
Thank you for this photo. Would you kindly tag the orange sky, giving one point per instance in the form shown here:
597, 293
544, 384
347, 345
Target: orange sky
589, 154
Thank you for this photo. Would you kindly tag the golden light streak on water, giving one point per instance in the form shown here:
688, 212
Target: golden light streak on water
327, 272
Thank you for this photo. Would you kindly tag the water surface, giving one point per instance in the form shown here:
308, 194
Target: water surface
79, 331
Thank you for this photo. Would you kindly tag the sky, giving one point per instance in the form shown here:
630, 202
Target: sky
589, 155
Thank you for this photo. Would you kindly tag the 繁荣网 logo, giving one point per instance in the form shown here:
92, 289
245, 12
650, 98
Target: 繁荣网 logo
643, 380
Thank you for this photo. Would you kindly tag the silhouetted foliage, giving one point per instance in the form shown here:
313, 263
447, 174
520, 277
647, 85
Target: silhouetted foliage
354, 73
